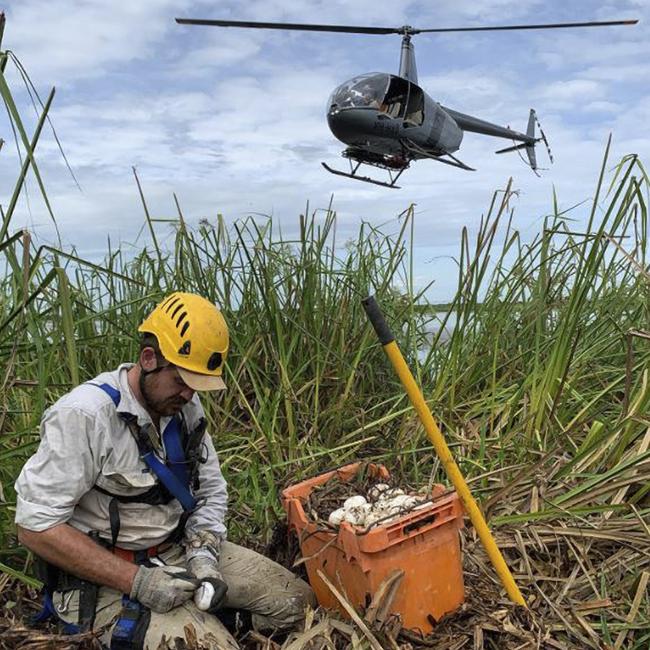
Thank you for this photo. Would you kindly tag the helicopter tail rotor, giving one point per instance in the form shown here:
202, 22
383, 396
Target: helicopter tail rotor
531, 140
544, 140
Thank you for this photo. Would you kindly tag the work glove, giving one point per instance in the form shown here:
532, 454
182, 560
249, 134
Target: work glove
211, 593
161, 588
202, 543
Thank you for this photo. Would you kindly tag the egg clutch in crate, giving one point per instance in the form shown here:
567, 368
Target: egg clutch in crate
356, 527
381, 504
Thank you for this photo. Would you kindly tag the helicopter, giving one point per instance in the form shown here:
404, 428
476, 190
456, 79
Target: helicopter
388, 121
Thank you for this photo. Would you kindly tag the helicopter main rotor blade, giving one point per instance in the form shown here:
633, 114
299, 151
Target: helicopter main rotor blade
604, 23
349, 29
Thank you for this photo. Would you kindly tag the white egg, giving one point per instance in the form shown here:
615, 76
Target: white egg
375, 516
379, 514
354, 502
336, 517
357, 516
351, 517
203, 596
399, 501
376, 491
390, 494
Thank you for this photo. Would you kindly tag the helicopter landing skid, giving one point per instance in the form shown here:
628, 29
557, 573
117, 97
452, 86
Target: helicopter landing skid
366, 179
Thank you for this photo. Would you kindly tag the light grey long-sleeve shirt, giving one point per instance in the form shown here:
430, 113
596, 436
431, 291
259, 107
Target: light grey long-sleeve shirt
85, 443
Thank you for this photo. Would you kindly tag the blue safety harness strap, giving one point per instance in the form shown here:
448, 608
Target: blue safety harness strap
173, 474
131, 626
176, 460
112, 392
170, 480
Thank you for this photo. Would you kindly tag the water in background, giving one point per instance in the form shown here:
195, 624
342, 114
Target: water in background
435, 324
432, 327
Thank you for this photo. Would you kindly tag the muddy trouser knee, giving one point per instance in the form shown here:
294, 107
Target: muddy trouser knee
275, 597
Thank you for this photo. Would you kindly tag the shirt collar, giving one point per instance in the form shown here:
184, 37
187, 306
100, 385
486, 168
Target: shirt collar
129, 404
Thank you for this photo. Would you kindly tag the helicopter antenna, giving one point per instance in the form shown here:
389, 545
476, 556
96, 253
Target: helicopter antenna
407, 68
2, 26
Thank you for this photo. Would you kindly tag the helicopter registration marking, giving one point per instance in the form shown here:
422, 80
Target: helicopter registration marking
386, 128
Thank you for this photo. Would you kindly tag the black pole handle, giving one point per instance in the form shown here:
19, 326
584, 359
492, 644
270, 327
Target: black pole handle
377, 319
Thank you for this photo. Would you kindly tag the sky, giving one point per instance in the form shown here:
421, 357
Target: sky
233, 121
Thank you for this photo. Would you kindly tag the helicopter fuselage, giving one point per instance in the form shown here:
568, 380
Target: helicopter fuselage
388, 120
379, 112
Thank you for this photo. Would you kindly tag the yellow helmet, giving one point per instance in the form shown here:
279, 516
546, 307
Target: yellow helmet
192, 335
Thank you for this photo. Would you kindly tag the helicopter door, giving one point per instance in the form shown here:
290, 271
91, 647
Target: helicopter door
415, 107
395, 100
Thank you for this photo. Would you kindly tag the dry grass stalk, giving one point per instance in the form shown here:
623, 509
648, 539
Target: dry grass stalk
374, 644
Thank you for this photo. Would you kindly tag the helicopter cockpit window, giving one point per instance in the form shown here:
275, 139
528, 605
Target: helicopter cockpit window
394, 103
364, 91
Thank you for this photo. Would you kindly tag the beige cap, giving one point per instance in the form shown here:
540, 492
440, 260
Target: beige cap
201, 382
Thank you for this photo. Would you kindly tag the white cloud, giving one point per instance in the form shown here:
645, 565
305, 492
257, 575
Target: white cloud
602, 106
57, 40
572, 91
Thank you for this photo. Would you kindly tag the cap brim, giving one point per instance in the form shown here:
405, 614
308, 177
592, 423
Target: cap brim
199, 382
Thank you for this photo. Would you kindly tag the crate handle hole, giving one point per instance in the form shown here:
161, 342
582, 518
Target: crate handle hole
416, 525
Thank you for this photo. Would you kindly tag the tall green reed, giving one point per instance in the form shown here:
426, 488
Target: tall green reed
535, 354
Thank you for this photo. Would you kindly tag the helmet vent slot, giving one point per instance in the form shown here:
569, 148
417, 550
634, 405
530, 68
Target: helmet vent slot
171, 302
184, 328
181, 318
178, 308
214, 361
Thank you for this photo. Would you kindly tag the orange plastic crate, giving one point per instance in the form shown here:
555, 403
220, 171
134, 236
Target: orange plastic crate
424, 544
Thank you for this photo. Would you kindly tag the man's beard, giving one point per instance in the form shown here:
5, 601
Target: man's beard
165, 407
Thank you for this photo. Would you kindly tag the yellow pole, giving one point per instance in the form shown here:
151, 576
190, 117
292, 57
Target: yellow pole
419, 404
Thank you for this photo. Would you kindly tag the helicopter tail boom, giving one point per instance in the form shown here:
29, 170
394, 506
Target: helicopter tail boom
476, 125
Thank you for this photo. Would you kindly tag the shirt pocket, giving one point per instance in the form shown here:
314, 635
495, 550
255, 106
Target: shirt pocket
132, 479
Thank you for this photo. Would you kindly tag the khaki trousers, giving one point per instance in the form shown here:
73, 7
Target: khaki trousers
276, 598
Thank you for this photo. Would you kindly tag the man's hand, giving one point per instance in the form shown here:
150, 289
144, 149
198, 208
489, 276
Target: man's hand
212, 592
162, 588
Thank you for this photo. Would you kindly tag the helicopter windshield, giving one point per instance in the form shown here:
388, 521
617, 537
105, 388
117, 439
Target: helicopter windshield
364, 91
